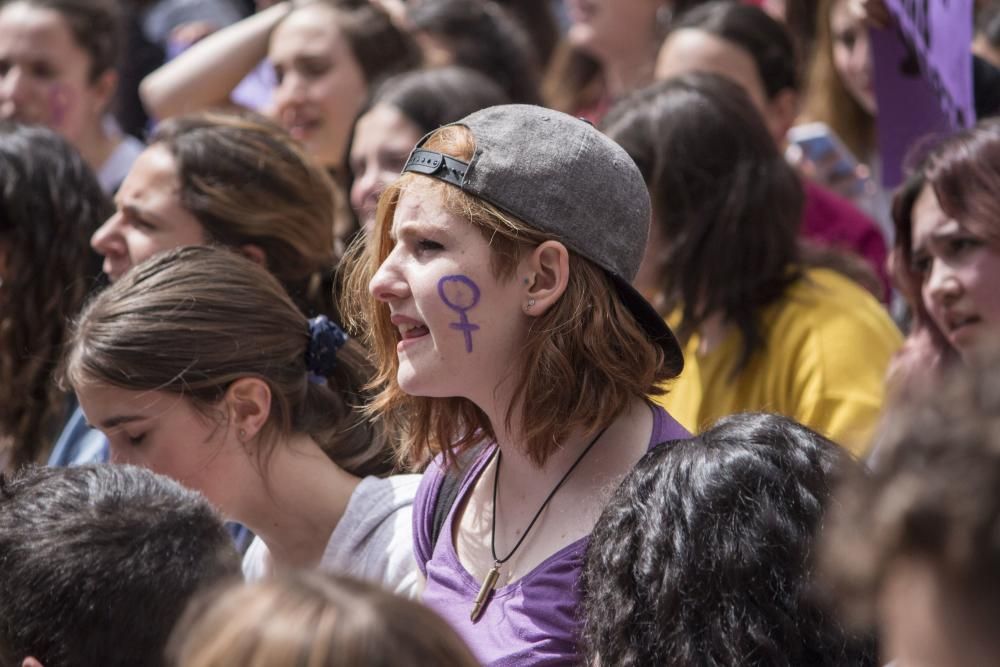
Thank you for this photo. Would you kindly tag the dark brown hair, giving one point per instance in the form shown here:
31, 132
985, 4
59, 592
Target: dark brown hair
724, 197
585, 359
315, 619
247, 182
963, 170
96, 25
194, 320
380, 48
50, 204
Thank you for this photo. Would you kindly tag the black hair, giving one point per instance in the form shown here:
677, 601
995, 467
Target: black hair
98, 562
703, 555
481, 36
752, 29
727, 202
50, 204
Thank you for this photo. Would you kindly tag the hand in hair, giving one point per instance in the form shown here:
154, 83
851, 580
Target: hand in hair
874, 12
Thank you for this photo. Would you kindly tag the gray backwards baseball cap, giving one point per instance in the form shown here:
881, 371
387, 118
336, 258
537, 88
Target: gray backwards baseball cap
563, 177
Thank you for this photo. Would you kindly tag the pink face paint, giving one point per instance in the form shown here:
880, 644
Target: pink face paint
461, 295
60, 99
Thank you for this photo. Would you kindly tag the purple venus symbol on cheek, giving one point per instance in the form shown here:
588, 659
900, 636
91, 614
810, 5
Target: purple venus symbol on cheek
461, 295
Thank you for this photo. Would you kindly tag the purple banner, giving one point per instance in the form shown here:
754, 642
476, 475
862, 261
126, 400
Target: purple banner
923, 76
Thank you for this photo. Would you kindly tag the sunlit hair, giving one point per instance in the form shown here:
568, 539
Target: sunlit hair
50, 204
963, 170
315, 620
248, 183
583, 362
194, 320
827, 99
932, 497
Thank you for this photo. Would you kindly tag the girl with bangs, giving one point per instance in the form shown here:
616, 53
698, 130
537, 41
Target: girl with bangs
495, 296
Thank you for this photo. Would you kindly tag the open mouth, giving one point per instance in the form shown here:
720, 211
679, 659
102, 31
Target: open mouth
959, 323
411, 331
300, 128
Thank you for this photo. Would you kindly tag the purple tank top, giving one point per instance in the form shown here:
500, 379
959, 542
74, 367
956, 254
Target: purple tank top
529, 622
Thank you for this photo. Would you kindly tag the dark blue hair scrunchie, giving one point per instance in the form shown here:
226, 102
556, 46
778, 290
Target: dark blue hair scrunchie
325, 339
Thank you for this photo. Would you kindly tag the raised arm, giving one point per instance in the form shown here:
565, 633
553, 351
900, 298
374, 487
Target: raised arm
205, 75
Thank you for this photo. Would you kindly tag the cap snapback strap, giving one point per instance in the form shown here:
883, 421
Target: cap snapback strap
438, 165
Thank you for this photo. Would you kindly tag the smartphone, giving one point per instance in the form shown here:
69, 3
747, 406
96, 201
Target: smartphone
824, 148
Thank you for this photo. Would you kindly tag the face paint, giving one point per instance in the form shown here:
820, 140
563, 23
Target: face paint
461, 295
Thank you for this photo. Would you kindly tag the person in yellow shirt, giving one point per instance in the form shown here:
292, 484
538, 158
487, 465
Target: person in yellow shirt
767, 323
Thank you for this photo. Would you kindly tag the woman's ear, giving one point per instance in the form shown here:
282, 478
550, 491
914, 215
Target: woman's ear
545, 272
248, 403
254, 253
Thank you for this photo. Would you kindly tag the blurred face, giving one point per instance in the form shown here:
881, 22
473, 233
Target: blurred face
383, 139
691, 50
852, 57
924, 624
459, 327
320, 84
45, 75
149, 217
959, 272
163, 431
605, 28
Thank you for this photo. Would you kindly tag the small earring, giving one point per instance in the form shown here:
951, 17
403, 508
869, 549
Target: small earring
242, 433
527, 306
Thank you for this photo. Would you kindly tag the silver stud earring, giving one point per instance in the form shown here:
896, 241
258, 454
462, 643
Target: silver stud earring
242, 433
527, 306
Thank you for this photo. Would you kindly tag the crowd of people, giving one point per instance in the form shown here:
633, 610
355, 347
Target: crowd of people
503, 332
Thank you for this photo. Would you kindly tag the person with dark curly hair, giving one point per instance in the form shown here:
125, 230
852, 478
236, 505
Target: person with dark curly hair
99, 562
50, 204
702, 557
913, 546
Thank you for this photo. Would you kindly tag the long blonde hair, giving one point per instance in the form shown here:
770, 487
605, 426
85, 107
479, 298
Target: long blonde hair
827, 99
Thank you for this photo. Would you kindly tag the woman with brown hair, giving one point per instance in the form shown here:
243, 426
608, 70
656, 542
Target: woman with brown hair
767, 323
307, 618
50, 203
218, 179
494, 293
609, 51
326, 55
946, 259
238, 181
840, 93
197, 365
59, 64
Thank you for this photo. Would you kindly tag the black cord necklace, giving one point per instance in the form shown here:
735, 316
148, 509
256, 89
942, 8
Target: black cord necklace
490, 581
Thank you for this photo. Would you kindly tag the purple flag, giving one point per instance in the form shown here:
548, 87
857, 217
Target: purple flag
923, 76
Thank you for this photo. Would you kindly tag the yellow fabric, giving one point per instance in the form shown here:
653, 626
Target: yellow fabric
828, 344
